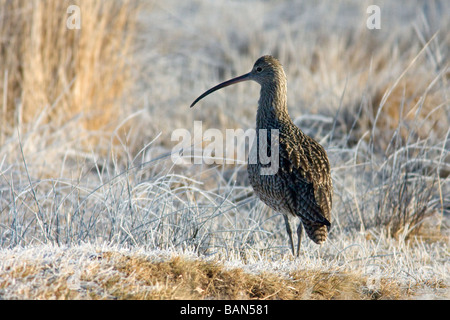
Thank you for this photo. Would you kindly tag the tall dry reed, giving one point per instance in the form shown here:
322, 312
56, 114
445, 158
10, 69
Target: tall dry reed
52, 73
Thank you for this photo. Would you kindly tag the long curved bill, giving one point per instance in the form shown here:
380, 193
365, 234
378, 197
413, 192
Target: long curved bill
244, 77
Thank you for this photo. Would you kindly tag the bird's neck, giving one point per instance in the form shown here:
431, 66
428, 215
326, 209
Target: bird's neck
272, 106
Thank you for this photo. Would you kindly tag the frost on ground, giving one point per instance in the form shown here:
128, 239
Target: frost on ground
363, 270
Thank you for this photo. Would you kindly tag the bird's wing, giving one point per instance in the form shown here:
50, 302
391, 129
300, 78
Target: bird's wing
305, 163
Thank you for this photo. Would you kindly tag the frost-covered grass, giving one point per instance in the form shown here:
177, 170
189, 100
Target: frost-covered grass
94, 188
362, 270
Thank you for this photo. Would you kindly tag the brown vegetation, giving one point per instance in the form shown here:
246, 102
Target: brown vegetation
113, 275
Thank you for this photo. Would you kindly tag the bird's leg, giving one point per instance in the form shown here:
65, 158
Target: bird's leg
299, 236
289, 232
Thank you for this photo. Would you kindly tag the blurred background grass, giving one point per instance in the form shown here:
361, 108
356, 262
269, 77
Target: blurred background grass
52, 74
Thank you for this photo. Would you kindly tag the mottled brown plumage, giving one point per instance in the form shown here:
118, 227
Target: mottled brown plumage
301, 187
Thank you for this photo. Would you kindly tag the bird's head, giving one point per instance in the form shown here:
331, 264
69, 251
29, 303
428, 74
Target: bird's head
266, 70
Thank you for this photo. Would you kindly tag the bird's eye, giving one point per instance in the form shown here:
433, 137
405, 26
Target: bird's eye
259, 69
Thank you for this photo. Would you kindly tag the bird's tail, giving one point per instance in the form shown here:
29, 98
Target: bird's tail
316, 231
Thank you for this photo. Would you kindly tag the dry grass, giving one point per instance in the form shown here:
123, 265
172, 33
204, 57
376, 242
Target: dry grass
138, 275
180, 278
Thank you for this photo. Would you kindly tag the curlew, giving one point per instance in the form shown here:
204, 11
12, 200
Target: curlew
301, 187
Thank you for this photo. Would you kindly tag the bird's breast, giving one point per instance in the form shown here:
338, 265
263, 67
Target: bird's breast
271, 189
